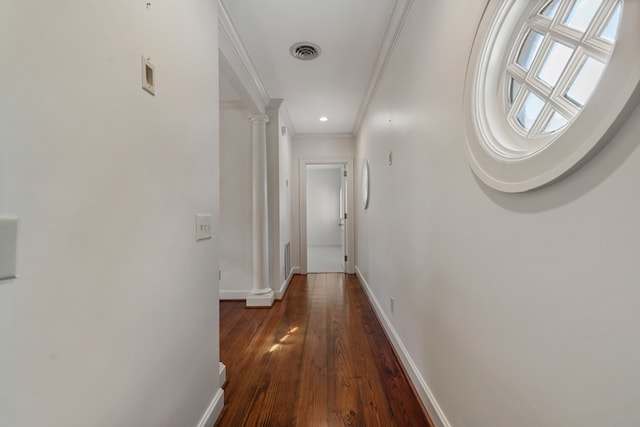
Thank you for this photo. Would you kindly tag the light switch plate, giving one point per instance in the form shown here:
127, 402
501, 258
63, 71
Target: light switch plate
203, 226
8, 247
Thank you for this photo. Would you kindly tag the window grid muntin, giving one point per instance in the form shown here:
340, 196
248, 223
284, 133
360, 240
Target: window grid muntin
554, 63
574, 4
504, 160
555, 129
528, 61
617, 8
553, 9
574, 78
585, 44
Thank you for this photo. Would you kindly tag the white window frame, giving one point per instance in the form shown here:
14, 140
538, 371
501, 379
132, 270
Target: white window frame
497, 153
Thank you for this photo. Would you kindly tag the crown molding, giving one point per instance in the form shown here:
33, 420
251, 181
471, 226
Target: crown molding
275, 103
281, 105
324, 136
237, 65
394, 28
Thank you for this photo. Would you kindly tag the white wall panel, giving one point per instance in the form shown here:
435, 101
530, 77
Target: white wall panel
235, 202
516, 309
114, 317
285, 189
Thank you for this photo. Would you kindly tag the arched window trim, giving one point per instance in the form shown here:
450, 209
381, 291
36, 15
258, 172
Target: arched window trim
501, 156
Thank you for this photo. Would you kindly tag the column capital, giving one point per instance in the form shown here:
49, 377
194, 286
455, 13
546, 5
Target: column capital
259, 118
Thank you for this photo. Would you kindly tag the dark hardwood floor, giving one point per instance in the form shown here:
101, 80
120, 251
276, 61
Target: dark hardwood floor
319, 357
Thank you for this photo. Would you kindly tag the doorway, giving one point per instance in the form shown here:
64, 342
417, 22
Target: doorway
325, 230
325, 218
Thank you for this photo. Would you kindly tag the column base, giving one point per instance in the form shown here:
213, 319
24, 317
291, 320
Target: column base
261, 300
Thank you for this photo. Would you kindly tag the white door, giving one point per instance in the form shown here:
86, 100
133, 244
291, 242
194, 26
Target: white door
343, 217
325, 218
310, 240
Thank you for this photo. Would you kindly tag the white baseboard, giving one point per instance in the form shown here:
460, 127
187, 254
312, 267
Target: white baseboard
223, 374
283, 289
234, 295
261, 300
242, 295
212, 413
425, 394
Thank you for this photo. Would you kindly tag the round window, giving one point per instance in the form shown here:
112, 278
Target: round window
540, 76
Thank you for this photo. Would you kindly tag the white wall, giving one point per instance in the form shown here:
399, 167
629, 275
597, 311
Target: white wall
235, 202
323, 206
316, 147
285, 190
517, 309
236, 199
114, 317
276, 195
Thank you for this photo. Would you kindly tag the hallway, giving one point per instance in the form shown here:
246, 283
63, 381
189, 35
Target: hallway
324, 259
318, 357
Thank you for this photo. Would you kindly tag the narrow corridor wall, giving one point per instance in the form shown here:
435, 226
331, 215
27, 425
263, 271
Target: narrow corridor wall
113, 319
514, 309
236, 203
284, 184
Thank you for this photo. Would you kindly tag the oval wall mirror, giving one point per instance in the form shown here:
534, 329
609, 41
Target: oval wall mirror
365, 183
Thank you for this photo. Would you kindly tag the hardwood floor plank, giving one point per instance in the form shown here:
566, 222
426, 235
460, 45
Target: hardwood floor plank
287, 347
319, 357
403, 405
239, 325
246, 369
375, 406
313, 389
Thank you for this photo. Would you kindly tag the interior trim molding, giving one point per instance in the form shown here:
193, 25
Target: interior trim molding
394, 28
324, 136
223, 373
237, 65
234, 295
285, 285
426, 396
213, 411
303, 162
242, 294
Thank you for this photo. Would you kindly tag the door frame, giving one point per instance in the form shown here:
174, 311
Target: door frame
349, 223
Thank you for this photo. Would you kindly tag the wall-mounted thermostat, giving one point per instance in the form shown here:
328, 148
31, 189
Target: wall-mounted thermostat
148, 82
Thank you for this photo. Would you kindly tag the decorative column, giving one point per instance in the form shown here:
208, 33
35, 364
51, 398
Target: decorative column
261, 295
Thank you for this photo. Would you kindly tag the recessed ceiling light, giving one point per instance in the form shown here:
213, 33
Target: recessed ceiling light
323, 119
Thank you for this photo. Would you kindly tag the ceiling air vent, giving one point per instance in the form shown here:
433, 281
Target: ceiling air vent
305, 51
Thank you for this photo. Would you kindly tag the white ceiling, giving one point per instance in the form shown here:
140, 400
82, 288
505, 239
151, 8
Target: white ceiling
350, 34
